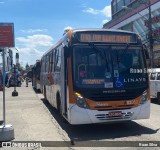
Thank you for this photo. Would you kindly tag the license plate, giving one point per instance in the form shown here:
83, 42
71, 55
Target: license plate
115, 114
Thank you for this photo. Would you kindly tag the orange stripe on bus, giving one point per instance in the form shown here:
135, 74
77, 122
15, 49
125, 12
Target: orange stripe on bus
70, 83
98, 105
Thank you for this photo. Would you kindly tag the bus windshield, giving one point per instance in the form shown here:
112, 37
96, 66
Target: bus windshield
109, 67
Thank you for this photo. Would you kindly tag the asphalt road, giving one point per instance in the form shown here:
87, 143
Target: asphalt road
94, 136
34, 119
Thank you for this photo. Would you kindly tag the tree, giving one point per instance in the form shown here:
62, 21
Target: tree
19, 67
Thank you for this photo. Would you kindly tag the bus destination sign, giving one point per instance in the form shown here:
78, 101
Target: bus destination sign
90, 37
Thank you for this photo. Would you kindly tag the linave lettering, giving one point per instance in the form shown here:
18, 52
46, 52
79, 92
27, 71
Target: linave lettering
127, 80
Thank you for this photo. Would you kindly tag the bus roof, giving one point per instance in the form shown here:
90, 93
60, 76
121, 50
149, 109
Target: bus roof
100, 29
72, 31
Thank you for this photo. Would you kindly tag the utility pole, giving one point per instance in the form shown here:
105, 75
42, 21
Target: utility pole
150, 31
150, 36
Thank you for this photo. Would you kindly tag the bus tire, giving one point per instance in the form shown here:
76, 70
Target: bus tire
39, 91
44, 92
158, 98
59, 108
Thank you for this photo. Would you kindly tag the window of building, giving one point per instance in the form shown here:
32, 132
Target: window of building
128, 27
114, 10
120, 3
127, 2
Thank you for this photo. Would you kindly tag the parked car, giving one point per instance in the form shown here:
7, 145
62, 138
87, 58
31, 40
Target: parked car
155, 83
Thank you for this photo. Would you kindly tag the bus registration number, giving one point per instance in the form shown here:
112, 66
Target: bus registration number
115, 114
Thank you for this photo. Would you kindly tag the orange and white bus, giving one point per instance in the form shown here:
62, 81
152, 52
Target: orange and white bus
97, 76
36, 69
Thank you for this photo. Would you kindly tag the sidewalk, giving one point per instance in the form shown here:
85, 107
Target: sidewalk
30, 118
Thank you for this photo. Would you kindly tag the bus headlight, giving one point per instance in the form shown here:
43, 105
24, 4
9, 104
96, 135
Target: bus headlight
143, 98
80, 101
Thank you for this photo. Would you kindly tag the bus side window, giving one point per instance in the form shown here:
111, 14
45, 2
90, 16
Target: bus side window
158, 76
50, 62
46, 63
57, 65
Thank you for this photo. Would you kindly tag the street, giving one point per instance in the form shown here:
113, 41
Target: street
140, 130
34, 119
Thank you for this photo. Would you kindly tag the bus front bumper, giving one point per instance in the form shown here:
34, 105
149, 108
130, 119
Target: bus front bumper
87, 116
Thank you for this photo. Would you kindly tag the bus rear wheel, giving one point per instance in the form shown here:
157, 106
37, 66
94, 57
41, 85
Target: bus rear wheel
44, 92
59, 108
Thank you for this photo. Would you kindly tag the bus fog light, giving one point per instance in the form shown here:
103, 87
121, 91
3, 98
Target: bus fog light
143, 98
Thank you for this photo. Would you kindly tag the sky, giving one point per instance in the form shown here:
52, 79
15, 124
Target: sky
39, 24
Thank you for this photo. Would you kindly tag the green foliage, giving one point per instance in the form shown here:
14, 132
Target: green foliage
20, 68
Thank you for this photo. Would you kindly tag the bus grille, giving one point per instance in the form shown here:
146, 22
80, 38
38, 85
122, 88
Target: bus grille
112, 97
125, 115
100, 96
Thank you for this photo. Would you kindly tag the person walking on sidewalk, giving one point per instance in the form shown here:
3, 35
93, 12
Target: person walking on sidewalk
26, 81
9, 79
1, 81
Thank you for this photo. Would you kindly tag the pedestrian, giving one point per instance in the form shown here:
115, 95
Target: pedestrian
26, 81
1, 81
9, 79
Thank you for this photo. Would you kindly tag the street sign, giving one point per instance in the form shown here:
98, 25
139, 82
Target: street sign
7, 35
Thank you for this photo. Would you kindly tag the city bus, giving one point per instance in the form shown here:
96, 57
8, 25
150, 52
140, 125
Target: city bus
97, 76
36, 69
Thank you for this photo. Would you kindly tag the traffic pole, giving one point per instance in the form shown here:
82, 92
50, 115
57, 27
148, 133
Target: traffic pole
6, 131
15, 93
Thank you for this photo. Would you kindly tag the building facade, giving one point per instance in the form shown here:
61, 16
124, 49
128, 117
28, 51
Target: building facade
133, 15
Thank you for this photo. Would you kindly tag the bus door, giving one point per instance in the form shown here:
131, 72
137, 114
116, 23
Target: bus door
64, 82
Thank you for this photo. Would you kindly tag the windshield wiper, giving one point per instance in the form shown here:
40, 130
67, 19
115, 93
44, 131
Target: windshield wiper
126, 48
102, 54
97, 50
118, 58
123, 52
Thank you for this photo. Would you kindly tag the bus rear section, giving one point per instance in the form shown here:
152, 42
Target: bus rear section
36, 70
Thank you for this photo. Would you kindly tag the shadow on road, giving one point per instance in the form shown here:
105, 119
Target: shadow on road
36, 91
98, 131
